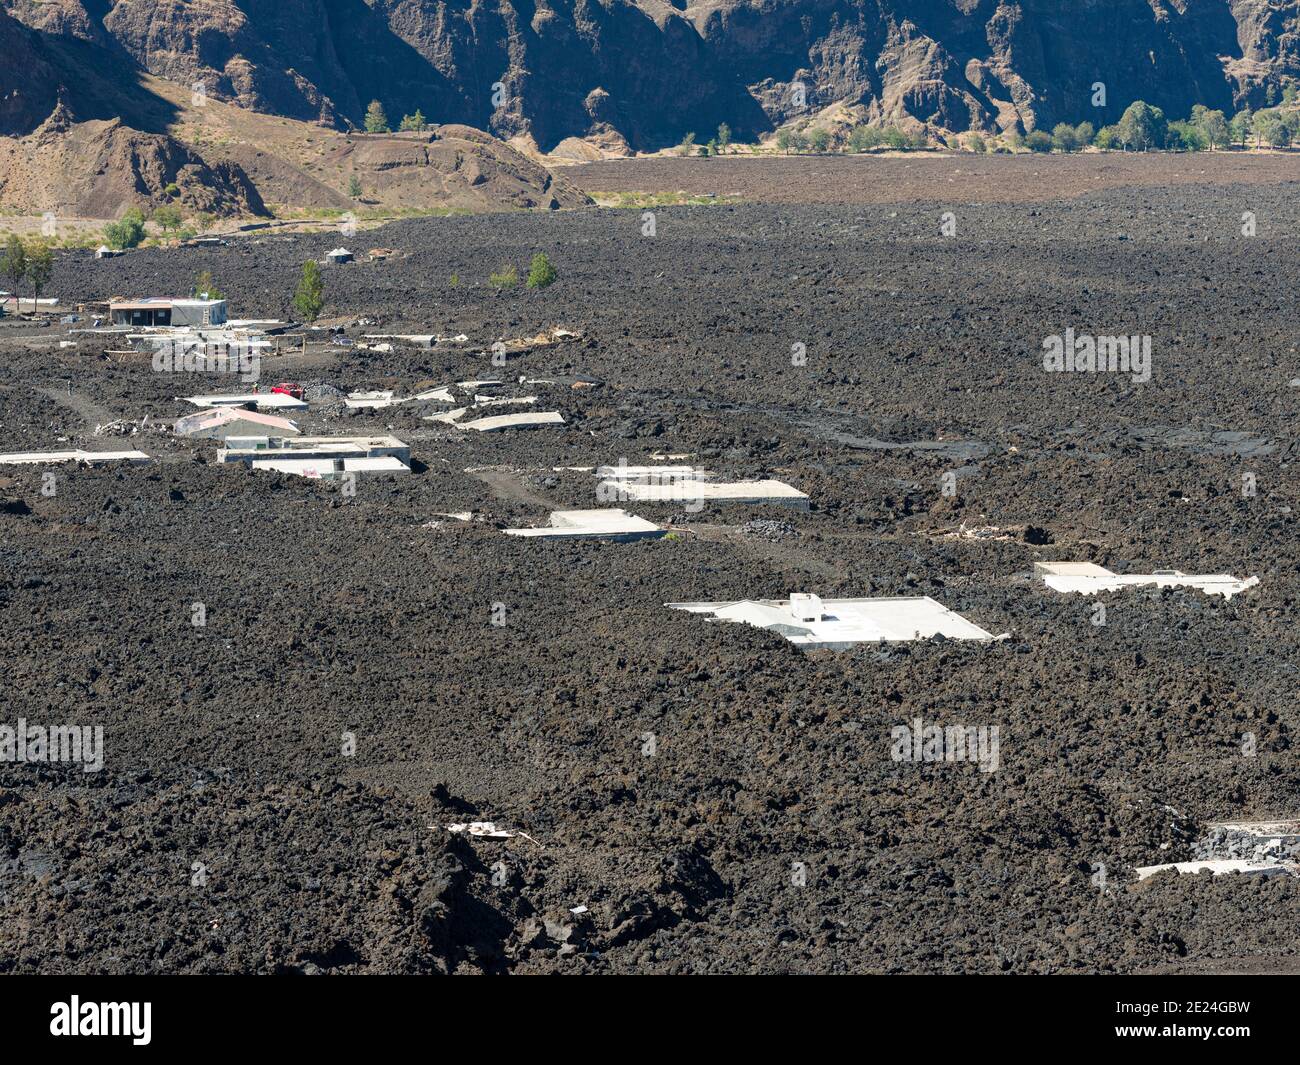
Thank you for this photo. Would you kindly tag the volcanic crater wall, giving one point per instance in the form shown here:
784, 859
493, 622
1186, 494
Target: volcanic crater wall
645, 72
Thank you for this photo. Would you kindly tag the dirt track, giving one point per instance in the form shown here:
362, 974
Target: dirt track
328, 615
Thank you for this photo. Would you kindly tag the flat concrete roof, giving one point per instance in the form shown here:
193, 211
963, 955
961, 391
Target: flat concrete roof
1087, 578
812, 622
262, 400
689, 491
1220, 866
605, 524
94, 458
325, 468
512, 421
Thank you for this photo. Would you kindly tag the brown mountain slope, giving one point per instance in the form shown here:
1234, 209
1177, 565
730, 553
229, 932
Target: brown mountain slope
84, 132
647, 71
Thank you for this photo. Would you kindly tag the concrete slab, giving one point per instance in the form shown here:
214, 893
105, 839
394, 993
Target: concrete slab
1087, 578
331, 469
606, 524
92, 458
261, 400
512, 421
836, 624
269, 449
1221, 866
705, 492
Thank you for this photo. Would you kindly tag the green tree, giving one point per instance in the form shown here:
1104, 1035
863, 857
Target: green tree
783, 140
724, 136
167, 218
1065, 138
687, 143
376, 119
1212, 126
540, 272
1084, 132
712, 147
354, 187
204, 287
895, 138
864, 138
414, 123
13, 264
1240, 126
1142, 127
1185, 136
1038, 141
1107, 138
127, 231
1270, 127
40, 265
309, 300
977, 144
819, 139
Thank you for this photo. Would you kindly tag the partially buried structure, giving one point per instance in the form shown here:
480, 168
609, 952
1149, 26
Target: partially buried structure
606, 524
226, 423
836, 624
1087, 578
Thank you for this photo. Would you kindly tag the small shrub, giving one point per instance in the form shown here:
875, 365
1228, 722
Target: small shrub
540, 272
506, 277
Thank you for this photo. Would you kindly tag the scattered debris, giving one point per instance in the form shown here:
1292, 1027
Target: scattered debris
486, 830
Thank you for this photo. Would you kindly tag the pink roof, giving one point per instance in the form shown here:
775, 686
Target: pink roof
218, 416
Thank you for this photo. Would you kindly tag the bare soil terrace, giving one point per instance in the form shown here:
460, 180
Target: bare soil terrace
939, 176
228, 831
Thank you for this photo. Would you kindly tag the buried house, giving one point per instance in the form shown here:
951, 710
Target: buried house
225, 423
687, 485
837, 624
1087, 578
605, 524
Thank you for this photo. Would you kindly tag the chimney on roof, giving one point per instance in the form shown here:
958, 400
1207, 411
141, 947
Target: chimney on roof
805, 607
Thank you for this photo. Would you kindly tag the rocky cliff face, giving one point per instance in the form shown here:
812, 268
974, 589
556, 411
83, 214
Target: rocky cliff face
644, 72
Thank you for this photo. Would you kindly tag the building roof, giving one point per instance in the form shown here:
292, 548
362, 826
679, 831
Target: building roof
217, 416
810, 621
25, 458
159, 303
609, 523
1087, 578
325, 467
263, 400
687, 490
